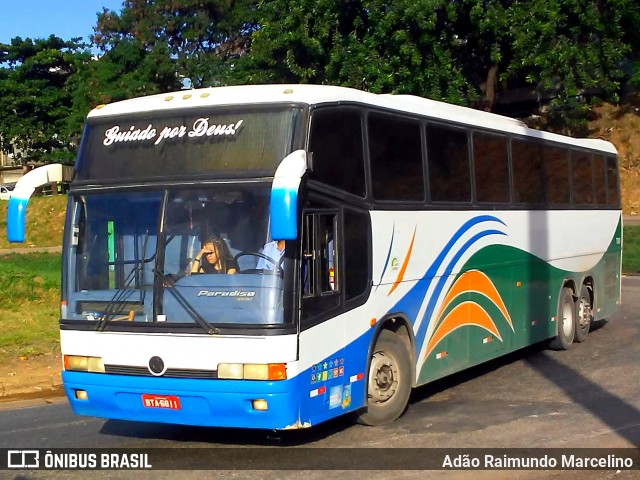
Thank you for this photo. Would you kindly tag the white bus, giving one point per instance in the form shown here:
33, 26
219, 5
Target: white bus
357, 246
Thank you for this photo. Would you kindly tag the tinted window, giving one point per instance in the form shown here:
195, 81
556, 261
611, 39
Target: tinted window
336, 144
613, 187
396, 158
556, 168
582, 178
356, 256
448, 157
599, 179
527, 172
491, 168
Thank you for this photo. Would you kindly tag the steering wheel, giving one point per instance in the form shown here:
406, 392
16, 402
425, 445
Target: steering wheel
277, 265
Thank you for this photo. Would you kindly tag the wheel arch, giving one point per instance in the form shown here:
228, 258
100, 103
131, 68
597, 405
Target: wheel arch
571, 284
589, 282
393, 332
399, 324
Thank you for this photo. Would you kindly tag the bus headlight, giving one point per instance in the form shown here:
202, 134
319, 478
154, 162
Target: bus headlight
83, 364
230, 370
252, 371
256, 372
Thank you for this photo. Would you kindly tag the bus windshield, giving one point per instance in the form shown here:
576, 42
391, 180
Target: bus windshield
188, 256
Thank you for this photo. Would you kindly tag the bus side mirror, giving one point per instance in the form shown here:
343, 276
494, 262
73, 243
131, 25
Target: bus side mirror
283, 211
17, 208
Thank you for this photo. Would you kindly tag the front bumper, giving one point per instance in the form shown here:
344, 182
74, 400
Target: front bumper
217, 403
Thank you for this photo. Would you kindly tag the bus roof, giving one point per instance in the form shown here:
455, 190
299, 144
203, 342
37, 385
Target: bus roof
322, 94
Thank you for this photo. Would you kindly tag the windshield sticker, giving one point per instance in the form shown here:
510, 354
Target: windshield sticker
200, 128
235, 293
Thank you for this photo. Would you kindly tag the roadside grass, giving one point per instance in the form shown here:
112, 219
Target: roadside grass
29, 304
631, 250
44, 221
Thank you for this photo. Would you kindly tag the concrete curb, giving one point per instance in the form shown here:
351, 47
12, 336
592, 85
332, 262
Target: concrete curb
22, 250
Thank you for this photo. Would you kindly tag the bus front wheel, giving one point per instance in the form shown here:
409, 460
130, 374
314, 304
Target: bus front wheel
566, 320
388, 380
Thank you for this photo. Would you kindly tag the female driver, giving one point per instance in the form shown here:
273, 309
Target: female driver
214, 257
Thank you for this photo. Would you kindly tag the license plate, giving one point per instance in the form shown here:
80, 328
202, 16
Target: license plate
169, 402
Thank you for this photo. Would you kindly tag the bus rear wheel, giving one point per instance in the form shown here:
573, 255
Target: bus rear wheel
566, 320
388, 380
584, 314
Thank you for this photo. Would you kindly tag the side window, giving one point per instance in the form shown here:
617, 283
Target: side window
448, 160
336, 144
556, 168
356, 253
582, 178
527, 172
395, 152
599, 179
491, 168
320, 266
613, 187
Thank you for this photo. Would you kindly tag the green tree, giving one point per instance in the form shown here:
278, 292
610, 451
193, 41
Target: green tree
36, 97
465, 52
202, 37
125, 71
384, 47
570, 50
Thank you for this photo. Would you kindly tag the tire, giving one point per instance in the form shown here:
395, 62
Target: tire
566, 321
388, 381
584, 315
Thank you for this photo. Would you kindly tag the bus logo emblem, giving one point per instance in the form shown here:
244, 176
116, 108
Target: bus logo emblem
156, 366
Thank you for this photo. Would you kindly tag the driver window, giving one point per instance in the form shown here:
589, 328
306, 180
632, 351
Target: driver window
320, 265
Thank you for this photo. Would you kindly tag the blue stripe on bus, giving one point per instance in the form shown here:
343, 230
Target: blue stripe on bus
420, 334
227, 403
411, 302
386, 263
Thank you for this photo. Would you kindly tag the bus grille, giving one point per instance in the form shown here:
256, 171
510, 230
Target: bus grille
170, 372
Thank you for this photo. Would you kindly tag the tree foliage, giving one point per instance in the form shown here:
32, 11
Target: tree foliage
36, 97
201, 37
463, 52
125, 71
384, 47
469, 52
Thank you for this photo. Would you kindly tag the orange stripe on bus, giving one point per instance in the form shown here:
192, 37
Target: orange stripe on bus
404, 264
466, 313
476, 281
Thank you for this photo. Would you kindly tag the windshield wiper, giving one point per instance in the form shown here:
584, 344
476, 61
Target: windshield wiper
136, 273
168, 282
109, 314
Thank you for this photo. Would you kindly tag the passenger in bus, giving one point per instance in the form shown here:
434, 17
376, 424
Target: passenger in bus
214, 257
275, 251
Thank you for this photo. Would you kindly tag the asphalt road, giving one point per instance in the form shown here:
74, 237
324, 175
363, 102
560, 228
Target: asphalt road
588, 396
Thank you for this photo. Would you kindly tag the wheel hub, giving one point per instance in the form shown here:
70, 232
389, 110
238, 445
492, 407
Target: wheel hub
584, 314
383, 379
567, 318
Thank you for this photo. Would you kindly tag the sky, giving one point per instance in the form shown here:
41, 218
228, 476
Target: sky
41, 18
